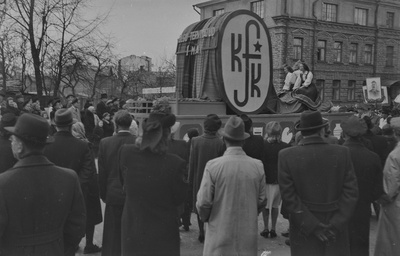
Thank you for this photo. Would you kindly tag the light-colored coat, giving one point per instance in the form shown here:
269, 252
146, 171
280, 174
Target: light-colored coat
231, 195
388, 235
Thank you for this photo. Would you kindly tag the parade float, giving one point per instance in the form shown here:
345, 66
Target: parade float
224, 66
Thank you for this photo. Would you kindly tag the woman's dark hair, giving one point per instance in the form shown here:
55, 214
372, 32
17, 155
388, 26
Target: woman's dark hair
290, 69
162, 147
306, 68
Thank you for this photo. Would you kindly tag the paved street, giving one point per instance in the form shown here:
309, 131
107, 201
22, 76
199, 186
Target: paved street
190, 246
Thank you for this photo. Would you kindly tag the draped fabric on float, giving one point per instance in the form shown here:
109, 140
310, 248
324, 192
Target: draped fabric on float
293, 102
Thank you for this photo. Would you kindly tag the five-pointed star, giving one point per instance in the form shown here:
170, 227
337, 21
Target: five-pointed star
257, 47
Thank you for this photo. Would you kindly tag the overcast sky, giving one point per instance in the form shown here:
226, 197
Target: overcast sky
147, 27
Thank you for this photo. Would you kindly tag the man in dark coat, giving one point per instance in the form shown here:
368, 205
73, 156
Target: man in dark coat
254, 145
111, 191
368, 169
101, 107
204, 148
70, 152
180, 148
319, 186
42, 211
7, 159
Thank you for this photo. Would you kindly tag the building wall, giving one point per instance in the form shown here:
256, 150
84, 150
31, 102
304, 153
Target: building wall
287, 19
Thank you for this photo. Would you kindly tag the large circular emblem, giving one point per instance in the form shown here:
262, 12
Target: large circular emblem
245, 61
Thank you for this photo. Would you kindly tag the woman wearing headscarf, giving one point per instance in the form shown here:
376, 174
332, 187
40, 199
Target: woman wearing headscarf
154, 185
93, 206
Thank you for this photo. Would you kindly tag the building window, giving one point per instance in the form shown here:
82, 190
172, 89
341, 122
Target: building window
329, 12
321, 87
258, 8
389, 19
353, 53
321, 54
351, 94
389, 56
337, 51
360, 16
298, 48
218, 12
336, 90
368, 54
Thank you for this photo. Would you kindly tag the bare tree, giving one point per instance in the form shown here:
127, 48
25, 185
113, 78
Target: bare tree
52, 27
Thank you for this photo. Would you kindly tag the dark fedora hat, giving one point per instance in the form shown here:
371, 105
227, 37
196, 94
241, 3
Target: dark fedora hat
234, 129
310, 120
63, 117
103, 96
153, 128
354, 126
32, 128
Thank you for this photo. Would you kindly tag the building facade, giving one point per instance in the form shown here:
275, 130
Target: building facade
342, 41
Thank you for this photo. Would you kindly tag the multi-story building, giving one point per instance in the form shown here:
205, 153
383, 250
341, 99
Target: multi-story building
342, 41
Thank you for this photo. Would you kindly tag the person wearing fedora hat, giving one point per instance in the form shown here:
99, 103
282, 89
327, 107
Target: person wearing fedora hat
204, 148
154, 184
319, 187
388, 231
111, 190
70, 152
231, 195
368, 169
101, 107
45, 201
7, 159
272, 146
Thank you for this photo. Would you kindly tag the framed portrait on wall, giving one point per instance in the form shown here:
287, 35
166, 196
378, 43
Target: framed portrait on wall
374, 88
384, 93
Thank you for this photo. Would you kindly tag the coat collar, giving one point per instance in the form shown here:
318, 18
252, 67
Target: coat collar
209, 136
234, 151
312, 140
63, 133
32, 160
123, 133
353, 142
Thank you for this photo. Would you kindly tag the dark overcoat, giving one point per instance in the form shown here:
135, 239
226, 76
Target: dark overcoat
254, 146
318, 184
154, 187
368, 169
70, 152
379, 146
203, 149
101, 108
270, 160
7, 159
42, 211
111, 191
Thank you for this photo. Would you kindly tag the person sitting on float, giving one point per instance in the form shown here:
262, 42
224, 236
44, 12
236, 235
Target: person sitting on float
290, 79
304, 84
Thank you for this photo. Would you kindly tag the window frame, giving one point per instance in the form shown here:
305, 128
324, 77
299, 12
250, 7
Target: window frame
353, 51
321, 50
338, 52
296, 47
389, 56
258, 4
320, 84
351, 90
357, 13
336, 90
371, 53
327, 16
390, 22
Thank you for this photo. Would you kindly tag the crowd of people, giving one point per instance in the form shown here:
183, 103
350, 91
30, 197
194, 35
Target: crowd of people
51, 187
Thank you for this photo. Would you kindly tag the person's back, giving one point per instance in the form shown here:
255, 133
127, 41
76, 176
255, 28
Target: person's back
43, 201
231, 195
